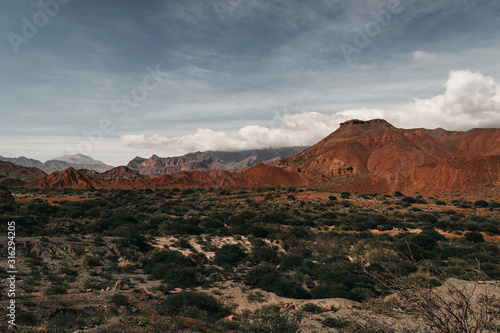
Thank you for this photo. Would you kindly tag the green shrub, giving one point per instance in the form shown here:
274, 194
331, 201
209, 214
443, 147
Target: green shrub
182, 277
345, 195
474, 237
195, 305
336, 322
119, 300
312, 308
409, 200
481, 204
56, 289
229, 254
270, 320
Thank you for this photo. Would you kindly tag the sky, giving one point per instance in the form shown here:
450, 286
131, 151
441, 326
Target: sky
118, 79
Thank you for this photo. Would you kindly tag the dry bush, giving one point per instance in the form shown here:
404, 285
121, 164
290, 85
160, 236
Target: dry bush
455, 306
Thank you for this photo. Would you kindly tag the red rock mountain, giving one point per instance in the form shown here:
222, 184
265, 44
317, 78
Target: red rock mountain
262, 175
119, 173
361, 156
375, 156
15, 175
69, 178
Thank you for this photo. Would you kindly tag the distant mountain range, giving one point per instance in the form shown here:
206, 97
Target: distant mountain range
210, 160
76, 161
360, 156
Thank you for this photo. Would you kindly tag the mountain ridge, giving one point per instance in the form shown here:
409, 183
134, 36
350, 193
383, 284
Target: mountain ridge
360, 156
209, 160
59, 165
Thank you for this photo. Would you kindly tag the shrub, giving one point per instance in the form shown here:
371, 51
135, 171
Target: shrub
263, 276
409, 200
270, 320
336, 322
119, 300
26, 318
264, 253
474, 237
312, 308
182, 277
190, 304
56, 289
229, 254
481, 204
332, 197
90, 260
345, 195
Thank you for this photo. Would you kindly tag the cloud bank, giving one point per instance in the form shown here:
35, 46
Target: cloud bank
470, 100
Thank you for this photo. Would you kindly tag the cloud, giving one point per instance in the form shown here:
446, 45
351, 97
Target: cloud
421, 56
470, 100
300, 129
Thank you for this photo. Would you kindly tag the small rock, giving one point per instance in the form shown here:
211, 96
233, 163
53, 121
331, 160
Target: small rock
232, 318
317, 318
89, 290
283, 310
118, 285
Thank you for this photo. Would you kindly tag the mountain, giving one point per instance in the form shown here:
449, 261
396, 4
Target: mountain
261, 175
15, 175
210, 160
55, 165
378, 157
360, 156
23, 161
69, 178
119, 173
77, 161
478, 141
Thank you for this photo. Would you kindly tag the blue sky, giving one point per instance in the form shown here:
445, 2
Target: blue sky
237, 74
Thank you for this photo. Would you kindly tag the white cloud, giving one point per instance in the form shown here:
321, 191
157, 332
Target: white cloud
422, 56
470, 100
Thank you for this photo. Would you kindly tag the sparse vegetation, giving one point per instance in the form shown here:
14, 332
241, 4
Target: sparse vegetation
160, 251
